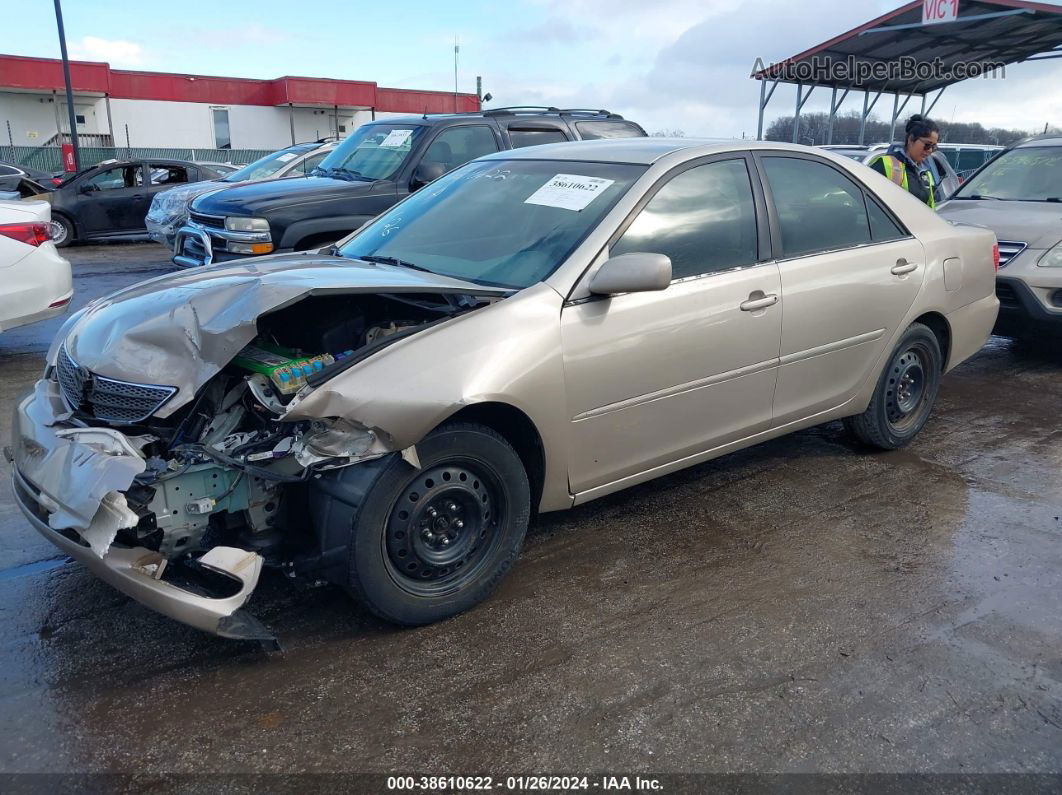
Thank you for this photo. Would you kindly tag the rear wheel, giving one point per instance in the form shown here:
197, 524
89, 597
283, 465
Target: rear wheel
63, 231
905, 394
430, 543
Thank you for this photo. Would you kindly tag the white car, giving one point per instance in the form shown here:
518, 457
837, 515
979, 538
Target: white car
36, 281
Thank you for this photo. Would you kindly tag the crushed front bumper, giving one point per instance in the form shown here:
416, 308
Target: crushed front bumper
69, 482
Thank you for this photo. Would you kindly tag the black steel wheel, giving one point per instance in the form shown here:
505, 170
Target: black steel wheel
905, 394
428, 543
443, 526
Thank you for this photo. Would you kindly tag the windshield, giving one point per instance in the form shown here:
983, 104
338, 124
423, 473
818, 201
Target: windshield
504, 223
1029, 173
267, 166
373, 151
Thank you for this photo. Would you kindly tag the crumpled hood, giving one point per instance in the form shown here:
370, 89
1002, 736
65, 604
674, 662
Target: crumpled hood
261, 197
1037, 224
182, 328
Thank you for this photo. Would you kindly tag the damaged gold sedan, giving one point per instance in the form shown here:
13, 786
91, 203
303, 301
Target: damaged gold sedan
534, 330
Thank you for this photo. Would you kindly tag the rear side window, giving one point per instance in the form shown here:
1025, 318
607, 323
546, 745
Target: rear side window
458, 145
819, 209
168, 175
591, 130
704, 219
882, 227
522, 138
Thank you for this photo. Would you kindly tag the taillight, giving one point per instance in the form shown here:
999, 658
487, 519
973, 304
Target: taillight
995, 255
30, 234
57, 180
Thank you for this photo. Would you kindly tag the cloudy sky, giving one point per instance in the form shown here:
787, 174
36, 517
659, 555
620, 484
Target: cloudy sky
669, 64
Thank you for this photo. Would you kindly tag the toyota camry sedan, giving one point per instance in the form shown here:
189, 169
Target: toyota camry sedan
534, 330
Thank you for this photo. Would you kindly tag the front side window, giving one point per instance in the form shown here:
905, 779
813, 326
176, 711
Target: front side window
373, 151
819, 209
507, 223
312, 162
458, 145
522, 138
1030, 173
704, 219
222, 140
592, 130
116, 178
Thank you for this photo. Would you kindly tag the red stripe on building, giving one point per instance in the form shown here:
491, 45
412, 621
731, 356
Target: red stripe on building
46, 75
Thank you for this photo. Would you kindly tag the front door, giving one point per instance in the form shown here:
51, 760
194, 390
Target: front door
849, 274
105, 200
655, 377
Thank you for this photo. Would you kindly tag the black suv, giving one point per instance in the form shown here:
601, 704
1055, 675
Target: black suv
378, 165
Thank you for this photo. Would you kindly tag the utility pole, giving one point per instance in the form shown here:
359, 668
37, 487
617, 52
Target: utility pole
457, 49
69, 90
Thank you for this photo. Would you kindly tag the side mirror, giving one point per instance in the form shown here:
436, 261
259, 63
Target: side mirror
87, 188
427, 171
637, 272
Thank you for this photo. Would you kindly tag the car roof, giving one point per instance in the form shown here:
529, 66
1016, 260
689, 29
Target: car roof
1040, 140
641, 151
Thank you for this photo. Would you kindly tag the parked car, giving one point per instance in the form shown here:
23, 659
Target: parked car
37, 281
965, 159
1018, 195
44, 178
378, 165
16, 183
108, 201
169, 210
540, 328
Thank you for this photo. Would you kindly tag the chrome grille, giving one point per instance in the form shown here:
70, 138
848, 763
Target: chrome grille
210, 221
105, 398
1008, 250
71, 379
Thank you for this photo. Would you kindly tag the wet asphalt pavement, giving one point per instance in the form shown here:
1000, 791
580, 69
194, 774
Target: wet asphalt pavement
801, 606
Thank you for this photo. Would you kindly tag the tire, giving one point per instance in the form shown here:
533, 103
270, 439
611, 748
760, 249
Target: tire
67, 235
428, 544
905, 394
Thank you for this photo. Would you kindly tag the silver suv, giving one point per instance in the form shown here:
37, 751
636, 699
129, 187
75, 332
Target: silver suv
1018, 195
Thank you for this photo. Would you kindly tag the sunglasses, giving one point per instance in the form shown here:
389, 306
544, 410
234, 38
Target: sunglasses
928, 145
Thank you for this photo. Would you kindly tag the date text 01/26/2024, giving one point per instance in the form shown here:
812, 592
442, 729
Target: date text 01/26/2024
521, 783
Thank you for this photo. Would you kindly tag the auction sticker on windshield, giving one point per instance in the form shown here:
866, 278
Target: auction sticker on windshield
569, 191
284, 158
396, 138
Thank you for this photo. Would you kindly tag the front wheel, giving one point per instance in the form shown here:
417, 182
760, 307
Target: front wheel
430, 543
905, 394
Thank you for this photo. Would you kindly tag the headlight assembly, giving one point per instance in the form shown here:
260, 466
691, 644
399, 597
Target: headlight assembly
238, 224
1052, 258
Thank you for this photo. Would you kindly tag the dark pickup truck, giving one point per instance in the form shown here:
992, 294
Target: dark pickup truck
378, 165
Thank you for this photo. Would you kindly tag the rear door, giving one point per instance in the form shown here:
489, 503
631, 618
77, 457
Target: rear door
849, 271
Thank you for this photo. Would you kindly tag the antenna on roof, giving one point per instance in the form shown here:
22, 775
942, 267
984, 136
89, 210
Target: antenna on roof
425, 116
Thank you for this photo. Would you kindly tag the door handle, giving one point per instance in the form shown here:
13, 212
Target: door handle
760, 302
902, 266
137, 196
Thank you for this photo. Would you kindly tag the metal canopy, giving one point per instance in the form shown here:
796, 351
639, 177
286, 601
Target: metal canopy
897, 54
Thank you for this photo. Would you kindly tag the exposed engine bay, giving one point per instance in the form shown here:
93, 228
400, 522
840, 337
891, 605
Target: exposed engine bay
225, 470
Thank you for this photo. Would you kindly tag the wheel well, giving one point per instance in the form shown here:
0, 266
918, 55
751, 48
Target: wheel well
938, 324
518, 431
68, 218
316, 241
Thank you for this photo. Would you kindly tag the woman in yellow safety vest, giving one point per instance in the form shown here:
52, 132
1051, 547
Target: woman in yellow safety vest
907, 164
